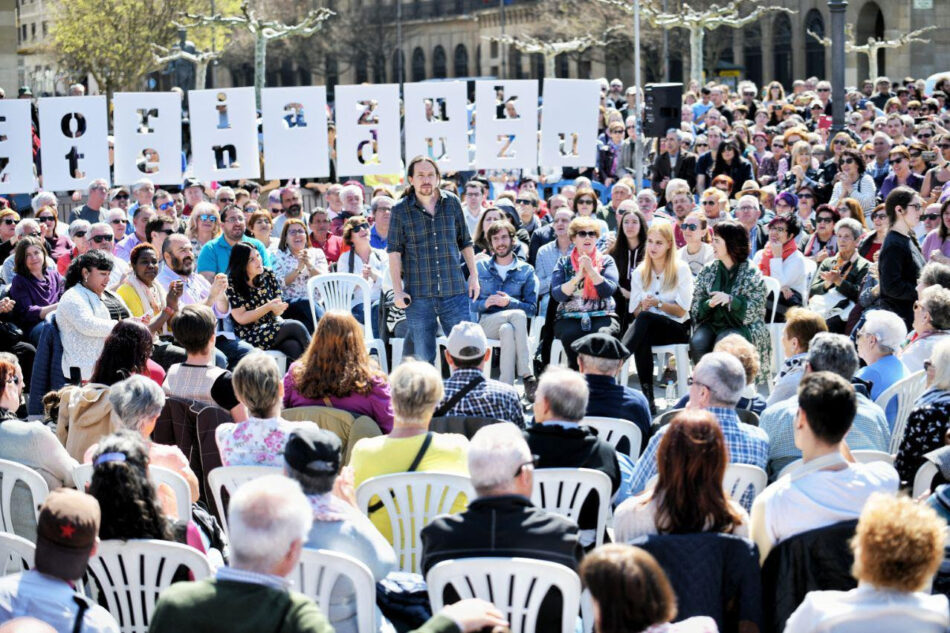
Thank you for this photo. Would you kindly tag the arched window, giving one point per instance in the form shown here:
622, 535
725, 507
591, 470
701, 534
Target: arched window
418, 65
438, 63
870, 24
562, 66
399, 67
537, 66
782, 49
362, 72
379, 69
514, 64
814, 50
752, 52
460, 61
331, 76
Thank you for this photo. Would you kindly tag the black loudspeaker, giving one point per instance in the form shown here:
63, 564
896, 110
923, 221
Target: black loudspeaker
663, 105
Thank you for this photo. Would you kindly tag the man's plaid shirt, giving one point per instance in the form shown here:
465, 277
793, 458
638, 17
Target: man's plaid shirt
490, 399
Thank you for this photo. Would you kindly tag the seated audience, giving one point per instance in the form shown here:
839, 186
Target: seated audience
336, 371
549, 253
898, 547
826, 353
79, 236
35, 289
372, 264
931, 325
828, 488
745, 351
259, 225
928, 421
66, 539
716, 384
559, 439
198, 378
259, 440
823, 243
879, 340
295, 263
688, 496
215, 256
836, 286
697, 251
631, 594
257, 305
780, 259
56, 245
321, 238
312, 458
416, 390
82, 315
467, 391
801, 325
600, 357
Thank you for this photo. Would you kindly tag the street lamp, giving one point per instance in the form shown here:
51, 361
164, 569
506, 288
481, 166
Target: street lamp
837, 9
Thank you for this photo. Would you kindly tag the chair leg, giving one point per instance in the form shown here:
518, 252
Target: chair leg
397, 344
682, 368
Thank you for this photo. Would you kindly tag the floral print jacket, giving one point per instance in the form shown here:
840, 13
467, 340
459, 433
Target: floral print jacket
255, 442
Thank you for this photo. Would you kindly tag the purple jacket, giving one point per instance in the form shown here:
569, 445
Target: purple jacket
377, 404
32, 295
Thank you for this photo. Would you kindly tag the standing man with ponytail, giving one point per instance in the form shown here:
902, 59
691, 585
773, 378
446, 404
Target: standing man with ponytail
426, 234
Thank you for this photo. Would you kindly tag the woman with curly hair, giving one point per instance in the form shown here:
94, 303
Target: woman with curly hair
336, 371
126, 352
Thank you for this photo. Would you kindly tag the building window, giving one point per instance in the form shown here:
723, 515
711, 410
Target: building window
782, 49
418, 65
461, 61
814, 50
439, 70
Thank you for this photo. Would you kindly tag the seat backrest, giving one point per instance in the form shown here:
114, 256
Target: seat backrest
12, 472
774, 287
130, 575
906, 392
612, 430
516, 586
227, 479
82, 476
739, 477
334, 291
747, 416
464, 425
318, 572
341, 423
16, 554
564, 491
924, 478
866, 456
412, 500
884, 618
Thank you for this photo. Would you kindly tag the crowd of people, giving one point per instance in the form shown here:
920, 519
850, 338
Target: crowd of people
762, 232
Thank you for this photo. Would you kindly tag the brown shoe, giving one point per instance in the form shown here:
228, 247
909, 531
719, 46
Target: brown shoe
530, 387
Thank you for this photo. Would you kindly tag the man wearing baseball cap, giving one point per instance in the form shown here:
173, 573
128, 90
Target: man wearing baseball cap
66, 537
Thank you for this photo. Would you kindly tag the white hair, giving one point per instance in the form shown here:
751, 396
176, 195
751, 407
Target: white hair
267, 515
723, 375
116, 213
43, 199
137, 400
78, 225
940, 358
566, 393
888, 328
24, 225
494, 455
102, 226
352, 188
142, 183
223, 190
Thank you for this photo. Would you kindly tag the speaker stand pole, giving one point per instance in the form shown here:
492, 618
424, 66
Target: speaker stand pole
638, 145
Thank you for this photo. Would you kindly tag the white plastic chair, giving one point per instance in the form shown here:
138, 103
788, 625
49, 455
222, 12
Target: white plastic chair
82, 475
516, 586
774, 286
280, 358
230, 479
739, 477
564, 491
680, 352
906, 392
318, 572
12, 472
612, 430
336, 292
866, 456
130, 575
924, 477
810, 269
412, 500
16, 554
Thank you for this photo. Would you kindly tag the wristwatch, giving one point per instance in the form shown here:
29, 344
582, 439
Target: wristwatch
659, 306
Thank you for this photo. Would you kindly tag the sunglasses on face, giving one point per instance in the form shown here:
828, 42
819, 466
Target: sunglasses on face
167, 205
925, 136
944, 145
226, 200
361, 227
205, 217
930, 216
915, 154
840, 141
46, 218
847, 161
121, 196
896, 161
805, 196
9, 221
79, 234
709, 203
99, 239
826, 220
585, 201
587, 234
878, 216
525, 201
119, 221
691, 226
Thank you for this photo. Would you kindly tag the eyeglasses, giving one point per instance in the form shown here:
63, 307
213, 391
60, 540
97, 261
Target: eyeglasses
824, 219
928, 365
79, 234
943, 145
533, 463
914, 205
925, 136
117, 221
234, 219
690, 226
207, 217
226, 200
930, 216
526, 201
587, 234
263, 221
915, 154
47, 218
361, 227
847, 161
14, 380
824, 89
99, 239
778, 229
709, 203
878, 216
585, 201
702, 144
690, 382
296, 232
616, 131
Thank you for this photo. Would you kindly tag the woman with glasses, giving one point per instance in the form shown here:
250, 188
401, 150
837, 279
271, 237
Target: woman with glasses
259, 227
585, 206
851, 208
36, 288
781, 260
939, 175
936, 246
901, 174
807, 201
118, 221
295, 262
730, 162
900, 260
729, 296
628, 251
836, 286
715, 206
661, 292
56, 245
823, 243
584, 283
78, 234
918, 164
853, 181
372, 264
204, 225
698, 251
830, 168
928, 422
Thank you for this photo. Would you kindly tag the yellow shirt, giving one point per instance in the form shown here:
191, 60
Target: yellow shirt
375, 456
131, 298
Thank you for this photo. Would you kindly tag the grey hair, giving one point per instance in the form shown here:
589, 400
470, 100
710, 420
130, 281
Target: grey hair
649, 193
377, 200
266, 517
605, 366
354, 188
223, 190
940, 359
723, 375
42, 199
494, 455
834, 353
934, 274
566, 393
888, 328
102, 226
137, 400
675, 131
256, 382
144, 182
117, 212
416, 390
78, 225
852, 225
24, 224
936, 301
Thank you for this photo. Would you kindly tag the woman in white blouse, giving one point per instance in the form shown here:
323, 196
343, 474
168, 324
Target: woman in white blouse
698, 251
294, 264
781, 260
369, 263
854, 182
83, 318
661, 292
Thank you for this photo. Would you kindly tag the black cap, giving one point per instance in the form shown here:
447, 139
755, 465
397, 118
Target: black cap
191, 182
313, 451
601, 346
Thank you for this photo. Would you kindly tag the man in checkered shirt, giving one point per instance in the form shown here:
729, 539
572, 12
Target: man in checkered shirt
467, 352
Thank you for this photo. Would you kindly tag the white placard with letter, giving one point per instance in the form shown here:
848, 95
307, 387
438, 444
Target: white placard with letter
569, 122
439, 129
295, 132
147, 137
224, 134
16, 146
367, 123
508, 140
75, 147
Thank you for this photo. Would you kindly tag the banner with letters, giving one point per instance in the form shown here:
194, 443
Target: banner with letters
510, 126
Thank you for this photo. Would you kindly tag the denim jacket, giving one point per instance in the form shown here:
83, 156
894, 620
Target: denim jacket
520, 284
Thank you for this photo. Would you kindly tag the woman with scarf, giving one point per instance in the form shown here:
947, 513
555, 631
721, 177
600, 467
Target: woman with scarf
583, 283
608, 160
823, 243
836, 286
781, 260
627, 250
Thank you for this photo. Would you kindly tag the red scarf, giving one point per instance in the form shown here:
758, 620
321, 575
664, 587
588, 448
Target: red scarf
597, 260
765, 265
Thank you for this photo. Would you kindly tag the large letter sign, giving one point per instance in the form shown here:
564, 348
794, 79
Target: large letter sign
75, 150
16, 146
224, 134
506, 124
367, 123
437, 123
295, 132
147, 137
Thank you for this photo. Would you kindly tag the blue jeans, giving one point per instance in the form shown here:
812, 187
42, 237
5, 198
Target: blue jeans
233, 350
373, 317
424, 315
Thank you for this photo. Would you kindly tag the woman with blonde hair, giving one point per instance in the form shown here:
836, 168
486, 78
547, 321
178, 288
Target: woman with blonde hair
661, 293
204, 224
